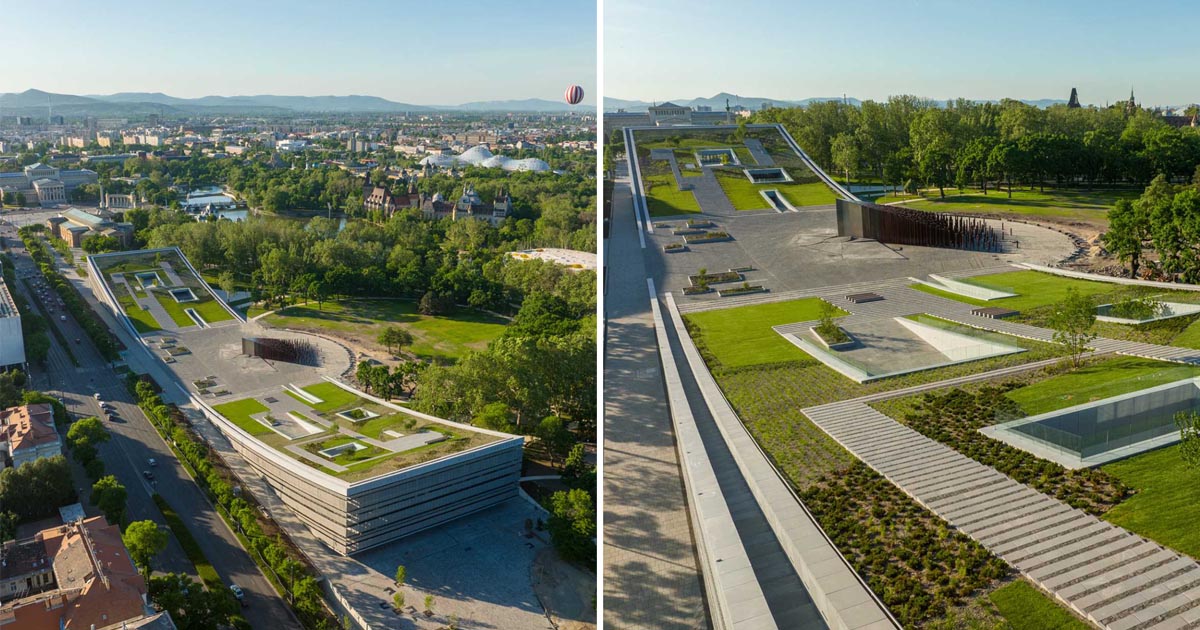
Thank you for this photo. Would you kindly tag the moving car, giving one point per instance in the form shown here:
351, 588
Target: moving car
238, 593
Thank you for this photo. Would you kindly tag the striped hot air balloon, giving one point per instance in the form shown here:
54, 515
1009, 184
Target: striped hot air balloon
573, 95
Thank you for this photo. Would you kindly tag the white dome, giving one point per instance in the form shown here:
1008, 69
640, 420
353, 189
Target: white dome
496, 161
527, 164
475, 155
439, 160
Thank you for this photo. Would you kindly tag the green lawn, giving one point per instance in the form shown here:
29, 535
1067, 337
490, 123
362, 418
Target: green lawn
445, 337
742, 336
744, 194
173, 308
239, 412
335, 398
664, 199
1025, 607
349, 457
1165, 506
375, 427
1189, 338
1076, 204
143, 321
1098, 380
210, 309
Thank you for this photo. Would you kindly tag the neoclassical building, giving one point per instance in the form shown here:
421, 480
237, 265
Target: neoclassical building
44, 184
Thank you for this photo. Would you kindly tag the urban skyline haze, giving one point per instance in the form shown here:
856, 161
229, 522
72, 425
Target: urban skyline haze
191, 49
937, 49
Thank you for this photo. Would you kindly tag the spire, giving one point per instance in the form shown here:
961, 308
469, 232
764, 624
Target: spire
1074, 102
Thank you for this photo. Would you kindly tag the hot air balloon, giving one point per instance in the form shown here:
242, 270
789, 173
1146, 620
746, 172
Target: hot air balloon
573, 95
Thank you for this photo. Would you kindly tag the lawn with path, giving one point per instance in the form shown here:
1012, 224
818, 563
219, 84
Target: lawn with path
1062, 203
239, 412
444, 337
744, 194
1025, 607
742, 336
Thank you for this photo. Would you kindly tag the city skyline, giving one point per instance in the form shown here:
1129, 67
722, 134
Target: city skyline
375, 48
935, 49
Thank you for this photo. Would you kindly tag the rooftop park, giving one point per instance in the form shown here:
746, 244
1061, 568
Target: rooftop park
1151, 493
1039, 292
441, 337
925, 573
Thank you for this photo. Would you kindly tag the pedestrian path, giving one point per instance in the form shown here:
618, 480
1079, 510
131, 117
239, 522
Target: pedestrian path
1115, 578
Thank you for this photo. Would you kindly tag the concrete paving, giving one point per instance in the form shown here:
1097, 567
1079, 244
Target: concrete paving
651, 574
760, 154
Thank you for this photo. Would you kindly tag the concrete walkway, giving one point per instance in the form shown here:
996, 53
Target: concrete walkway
760, 155
651, 573
1115, 578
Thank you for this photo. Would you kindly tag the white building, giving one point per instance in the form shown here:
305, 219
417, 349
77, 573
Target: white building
12, 343
42, 179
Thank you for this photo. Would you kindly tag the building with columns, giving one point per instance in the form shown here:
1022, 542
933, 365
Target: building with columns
40, 179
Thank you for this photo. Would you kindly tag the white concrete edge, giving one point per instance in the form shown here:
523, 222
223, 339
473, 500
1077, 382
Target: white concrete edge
853, 594
714, 528
929, 334
641, 213
967, 289
1173, 286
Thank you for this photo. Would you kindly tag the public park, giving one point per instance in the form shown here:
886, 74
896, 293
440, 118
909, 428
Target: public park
987, 417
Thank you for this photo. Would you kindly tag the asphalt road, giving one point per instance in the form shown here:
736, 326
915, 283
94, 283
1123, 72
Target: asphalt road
134, 441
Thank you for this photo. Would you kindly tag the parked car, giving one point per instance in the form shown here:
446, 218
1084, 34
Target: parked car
238, 593
152, 462
147, 474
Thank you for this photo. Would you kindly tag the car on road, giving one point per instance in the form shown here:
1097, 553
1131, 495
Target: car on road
152, 462
96, 395
77, 341
238, 593
62, 318
148, 475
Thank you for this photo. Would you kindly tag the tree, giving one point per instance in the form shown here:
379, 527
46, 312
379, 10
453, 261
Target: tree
109, 495
495, 416
428, 605
144, 540
395, 337
228, 283
99, 243
846, 155
401, 575
1072, 323
191, 606
85, 436
1128, 230
398, 600
572, 526
1189, 437
556, 440
36, 489
576, 471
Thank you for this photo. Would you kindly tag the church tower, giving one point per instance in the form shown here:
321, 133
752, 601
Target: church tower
1074, 102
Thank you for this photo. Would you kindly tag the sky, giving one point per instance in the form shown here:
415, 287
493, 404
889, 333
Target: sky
870, 49
424, 52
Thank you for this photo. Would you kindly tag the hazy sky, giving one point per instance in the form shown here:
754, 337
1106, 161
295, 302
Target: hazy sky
674, 49
422, 52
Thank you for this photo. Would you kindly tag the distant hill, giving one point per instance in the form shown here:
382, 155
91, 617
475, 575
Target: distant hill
34, 102
717, 102
526, 105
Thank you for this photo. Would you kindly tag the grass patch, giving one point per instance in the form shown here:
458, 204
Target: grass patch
1096, 381
742, 336
1164, 508
375, 427
334, 398
208, 575
664, 199
1071, 204
444, 337
239, 412
744, 194
1025, 607
349, 457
